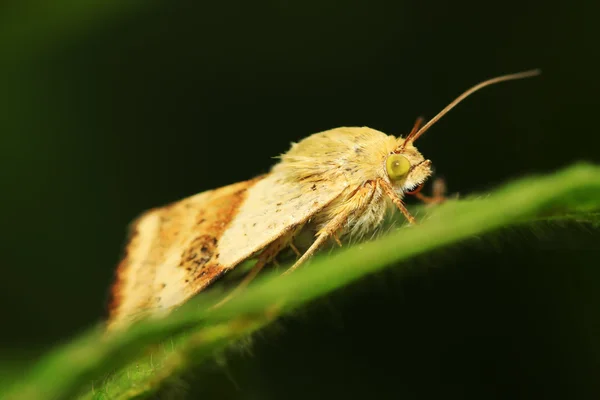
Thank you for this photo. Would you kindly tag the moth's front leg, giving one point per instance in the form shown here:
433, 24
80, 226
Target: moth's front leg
438, 193
389, 191
355, 205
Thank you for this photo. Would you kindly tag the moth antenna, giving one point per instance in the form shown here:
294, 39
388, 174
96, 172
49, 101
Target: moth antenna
418, 123
519, 75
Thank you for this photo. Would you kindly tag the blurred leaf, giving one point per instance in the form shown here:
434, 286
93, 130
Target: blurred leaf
153, 351
29, 27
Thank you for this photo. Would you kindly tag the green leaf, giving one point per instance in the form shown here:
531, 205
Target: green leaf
135, 363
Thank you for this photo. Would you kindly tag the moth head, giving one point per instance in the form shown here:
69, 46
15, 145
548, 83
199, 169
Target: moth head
405, 167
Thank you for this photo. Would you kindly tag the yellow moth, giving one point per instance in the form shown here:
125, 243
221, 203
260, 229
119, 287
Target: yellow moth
333, 183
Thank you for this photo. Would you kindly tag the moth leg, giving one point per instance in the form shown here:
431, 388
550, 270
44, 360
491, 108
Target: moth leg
438, 194
358, 202
389, 191
325, 233
295, 249
266, 256
337, 239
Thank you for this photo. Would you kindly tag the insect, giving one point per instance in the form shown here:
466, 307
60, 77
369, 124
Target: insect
337, 182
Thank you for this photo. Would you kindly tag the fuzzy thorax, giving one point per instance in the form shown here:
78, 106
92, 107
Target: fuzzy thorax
357, 157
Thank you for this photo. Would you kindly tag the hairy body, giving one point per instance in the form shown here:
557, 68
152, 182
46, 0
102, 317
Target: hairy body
334, 179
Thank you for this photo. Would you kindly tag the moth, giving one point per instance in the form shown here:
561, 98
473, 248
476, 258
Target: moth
340, 182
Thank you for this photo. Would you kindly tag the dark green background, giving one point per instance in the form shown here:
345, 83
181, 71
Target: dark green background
109, 109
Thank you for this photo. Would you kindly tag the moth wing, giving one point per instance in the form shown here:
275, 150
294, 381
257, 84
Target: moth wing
273, 207
167, 246
176, 251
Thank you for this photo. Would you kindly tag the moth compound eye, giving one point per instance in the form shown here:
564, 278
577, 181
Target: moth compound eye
397, 166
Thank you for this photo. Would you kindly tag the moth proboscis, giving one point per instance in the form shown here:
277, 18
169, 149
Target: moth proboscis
337, 182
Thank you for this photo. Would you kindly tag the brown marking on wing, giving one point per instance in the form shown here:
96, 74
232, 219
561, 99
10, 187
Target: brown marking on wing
201, 257
201, 250
172, 252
